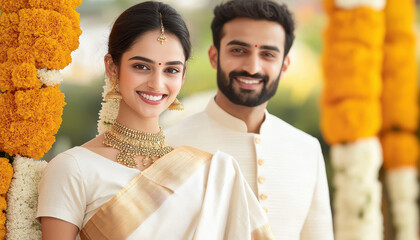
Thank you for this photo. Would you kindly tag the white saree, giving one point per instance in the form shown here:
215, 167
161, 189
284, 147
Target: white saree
186, 194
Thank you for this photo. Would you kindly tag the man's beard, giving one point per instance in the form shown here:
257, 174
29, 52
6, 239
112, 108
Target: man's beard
245, 97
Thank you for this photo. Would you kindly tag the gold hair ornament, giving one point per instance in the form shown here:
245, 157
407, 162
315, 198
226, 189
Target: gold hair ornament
132, 143
162, 37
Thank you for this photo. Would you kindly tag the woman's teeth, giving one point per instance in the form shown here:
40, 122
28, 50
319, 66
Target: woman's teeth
151, 98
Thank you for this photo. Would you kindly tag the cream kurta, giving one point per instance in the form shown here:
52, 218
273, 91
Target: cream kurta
209, 201
283, 165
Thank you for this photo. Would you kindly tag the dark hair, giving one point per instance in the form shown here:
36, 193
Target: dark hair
255, 9
144, 17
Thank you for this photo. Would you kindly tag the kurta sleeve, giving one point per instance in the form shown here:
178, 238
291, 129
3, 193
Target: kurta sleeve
318, 224
62, 191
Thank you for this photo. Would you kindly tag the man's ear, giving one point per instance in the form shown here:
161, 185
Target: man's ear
111, 69
213, 56
286, 64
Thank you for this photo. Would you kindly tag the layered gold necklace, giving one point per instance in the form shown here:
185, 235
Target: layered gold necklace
132, 143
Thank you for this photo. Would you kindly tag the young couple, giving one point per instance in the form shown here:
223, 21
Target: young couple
129, 183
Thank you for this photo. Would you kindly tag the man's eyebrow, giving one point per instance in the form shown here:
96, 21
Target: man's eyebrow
236, 42
174, 63
142, 59
273, 48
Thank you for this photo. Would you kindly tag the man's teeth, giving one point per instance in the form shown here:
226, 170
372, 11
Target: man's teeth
248, 81
151, 98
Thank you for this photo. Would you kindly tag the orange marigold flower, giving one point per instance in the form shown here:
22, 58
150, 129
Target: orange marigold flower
49, 53
6, 83
3, 207
351, 70
350, 120
35, 120
13, 5
2, 231
21, 54
6, 175
400, 149
361, 25
24, 76
54, 4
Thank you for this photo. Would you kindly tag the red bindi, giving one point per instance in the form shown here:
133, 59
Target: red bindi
256, 45
160, 64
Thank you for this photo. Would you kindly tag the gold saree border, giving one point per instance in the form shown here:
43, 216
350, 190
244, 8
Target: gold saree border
128, 209
262, 233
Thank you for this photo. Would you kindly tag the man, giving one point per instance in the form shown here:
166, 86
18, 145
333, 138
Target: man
283, 165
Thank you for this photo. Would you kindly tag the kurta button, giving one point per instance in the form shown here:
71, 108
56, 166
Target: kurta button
260, 162
257, 140
263, 196
261, 180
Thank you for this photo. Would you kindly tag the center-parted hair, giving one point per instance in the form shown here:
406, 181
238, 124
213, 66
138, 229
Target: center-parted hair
255, 9
144, 17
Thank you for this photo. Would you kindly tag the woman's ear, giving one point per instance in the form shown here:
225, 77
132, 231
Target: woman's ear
183, 75
111, 69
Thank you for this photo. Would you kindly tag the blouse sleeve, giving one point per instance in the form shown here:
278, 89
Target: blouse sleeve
62, 191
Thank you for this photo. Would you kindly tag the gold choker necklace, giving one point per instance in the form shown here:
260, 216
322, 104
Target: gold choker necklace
132, 143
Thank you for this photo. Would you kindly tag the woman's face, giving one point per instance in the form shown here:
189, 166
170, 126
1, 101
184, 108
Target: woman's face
150, 75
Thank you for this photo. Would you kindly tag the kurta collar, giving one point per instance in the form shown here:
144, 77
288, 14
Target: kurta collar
225, 119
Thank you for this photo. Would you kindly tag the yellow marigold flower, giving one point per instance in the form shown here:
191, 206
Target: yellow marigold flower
13, 5
6, 175
350, 120
2, 232
21, 54
351, 70
48, 23
24, 76
3, 207
72, 15
366, 22
6, 83
34, 121
49, 53
400, 149
54, 4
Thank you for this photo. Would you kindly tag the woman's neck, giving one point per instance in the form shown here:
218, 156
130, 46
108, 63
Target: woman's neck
132, 120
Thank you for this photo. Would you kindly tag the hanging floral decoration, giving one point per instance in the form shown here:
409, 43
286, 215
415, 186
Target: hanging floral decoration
36, 40
351, 114
400, 117
109, 109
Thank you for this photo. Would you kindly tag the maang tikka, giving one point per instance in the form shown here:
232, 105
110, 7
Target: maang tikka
162, 37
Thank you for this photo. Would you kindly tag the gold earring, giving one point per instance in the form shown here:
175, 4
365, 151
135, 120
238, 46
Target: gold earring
176, 105
113, 94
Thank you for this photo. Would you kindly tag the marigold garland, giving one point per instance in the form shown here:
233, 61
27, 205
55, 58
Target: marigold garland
32, 119
6, 175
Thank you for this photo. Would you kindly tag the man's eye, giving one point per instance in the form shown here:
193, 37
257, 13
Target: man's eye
172, 70
267, 54
237, 50
141, 67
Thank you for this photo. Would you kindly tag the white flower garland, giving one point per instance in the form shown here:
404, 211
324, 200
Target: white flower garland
357, 201
377, 5
49, 77
403, 192
109, 110
22, 199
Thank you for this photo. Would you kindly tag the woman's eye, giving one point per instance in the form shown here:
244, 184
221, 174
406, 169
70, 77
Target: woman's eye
141, 67
172, 70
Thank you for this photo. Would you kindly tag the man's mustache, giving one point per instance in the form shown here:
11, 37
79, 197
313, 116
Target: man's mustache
235, 74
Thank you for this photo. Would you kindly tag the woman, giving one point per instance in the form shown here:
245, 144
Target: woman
128, 183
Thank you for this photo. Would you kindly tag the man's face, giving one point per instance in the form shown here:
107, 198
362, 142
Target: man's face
250, 60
